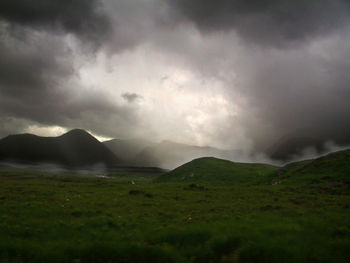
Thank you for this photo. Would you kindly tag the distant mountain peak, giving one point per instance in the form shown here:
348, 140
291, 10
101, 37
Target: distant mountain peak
78, 134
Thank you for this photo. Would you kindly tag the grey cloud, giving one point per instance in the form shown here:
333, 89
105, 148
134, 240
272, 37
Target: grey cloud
37, 66
299, 89
135, 22
298, 94
93, 112
38, 79
80, 17
273, 22
10, 125
29, 67
30, 73
291, 92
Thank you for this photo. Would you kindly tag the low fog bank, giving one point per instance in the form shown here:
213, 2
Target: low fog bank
56, 169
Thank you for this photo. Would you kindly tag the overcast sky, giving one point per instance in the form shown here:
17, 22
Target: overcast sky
233, 74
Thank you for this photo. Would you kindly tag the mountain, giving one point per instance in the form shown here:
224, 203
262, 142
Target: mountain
76, 148
209, 170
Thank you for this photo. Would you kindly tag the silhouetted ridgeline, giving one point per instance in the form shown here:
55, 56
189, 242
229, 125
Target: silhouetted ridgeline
76, 148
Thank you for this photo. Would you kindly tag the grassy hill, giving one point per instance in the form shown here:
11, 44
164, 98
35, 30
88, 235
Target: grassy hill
333, 168
211, 170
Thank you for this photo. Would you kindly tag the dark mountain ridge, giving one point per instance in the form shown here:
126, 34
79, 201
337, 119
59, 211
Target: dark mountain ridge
76, 148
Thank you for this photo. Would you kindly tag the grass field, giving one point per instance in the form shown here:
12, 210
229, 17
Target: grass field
47, 217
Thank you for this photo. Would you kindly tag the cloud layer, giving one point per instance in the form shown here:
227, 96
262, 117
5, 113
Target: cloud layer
274, 22
231, 74
79, 17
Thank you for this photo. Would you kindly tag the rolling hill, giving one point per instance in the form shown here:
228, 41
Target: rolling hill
217, 171
76, 148
333, 168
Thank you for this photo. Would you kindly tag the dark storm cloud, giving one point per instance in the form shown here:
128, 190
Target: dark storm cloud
267, 22
31, 72
80, 17
41, 86
27, 68
39, 79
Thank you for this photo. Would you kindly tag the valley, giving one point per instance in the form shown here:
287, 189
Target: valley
208, 210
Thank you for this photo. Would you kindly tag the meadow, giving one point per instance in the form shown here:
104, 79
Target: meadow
64, 217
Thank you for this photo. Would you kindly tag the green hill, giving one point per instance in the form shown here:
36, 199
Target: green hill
209, 170
333, 168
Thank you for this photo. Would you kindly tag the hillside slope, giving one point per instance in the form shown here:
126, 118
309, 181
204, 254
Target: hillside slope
331, 168
217, 171
76, 148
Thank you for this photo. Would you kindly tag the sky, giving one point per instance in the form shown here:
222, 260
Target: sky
232, 74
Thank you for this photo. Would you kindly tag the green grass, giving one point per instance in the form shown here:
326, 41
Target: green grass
333, 168
69, 218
